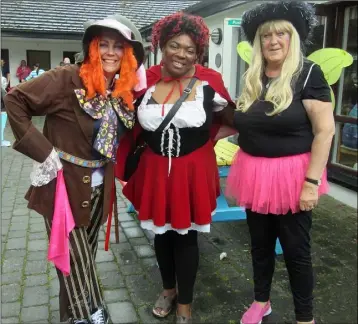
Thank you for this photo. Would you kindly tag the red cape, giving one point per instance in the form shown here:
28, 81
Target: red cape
154, 75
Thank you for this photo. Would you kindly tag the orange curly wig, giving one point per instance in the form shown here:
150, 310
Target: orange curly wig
91, 73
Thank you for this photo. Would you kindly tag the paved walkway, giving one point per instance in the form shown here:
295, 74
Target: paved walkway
130, 278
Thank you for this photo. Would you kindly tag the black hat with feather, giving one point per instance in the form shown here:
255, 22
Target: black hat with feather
299, 13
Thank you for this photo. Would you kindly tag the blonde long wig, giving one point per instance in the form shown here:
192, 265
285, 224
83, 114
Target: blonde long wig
280, 92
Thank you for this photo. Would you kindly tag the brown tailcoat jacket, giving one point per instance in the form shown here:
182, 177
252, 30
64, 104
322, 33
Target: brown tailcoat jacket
67, 127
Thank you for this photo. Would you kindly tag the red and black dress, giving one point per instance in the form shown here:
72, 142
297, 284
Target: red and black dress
176, 183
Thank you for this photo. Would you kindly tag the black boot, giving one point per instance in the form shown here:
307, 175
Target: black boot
79, 321
100, 316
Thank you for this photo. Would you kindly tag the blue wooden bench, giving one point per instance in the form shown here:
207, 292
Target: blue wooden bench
225, 152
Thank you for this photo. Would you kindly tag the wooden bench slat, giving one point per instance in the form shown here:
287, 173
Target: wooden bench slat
225, 152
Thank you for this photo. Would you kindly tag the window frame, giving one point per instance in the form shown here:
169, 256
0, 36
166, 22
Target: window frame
335, 13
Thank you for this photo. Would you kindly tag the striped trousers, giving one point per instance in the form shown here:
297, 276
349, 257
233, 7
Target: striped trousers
80, 292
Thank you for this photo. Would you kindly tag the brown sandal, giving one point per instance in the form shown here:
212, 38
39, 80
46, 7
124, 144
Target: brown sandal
166, 304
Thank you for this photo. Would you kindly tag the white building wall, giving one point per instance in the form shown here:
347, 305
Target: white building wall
17, 50
227, 49
215, 22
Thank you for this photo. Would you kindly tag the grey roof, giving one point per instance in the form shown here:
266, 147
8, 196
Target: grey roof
60, 16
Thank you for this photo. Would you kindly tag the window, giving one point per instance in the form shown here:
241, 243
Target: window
41, 57
318, 39
345, 151
346, 145
70, 55
347, 91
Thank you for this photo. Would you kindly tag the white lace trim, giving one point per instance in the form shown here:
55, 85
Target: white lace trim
178, 141
43, 173
148, 225
170, 148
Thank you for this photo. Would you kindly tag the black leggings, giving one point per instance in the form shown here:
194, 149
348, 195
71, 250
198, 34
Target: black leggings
178, 259
293, 230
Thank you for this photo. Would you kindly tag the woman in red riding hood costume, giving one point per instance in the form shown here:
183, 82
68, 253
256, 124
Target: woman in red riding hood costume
176, 183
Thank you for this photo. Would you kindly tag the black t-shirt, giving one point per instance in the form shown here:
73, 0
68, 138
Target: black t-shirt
289, 132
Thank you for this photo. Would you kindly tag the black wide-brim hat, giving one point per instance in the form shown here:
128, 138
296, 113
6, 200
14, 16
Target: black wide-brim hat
299, 13
95, 29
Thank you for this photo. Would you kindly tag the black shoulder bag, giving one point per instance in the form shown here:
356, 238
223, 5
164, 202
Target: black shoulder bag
133, 158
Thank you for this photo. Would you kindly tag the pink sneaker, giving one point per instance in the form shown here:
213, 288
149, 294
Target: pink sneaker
255, 313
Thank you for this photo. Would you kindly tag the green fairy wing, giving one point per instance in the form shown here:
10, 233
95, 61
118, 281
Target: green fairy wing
245, 51
331, 61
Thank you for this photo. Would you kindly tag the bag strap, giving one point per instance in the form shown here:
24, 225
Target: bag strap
176, 106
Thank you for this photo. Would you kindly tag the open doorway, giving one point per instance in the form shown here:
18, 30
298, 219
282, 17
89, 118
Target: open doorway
5, 57
70, 55
5, 66
41, 57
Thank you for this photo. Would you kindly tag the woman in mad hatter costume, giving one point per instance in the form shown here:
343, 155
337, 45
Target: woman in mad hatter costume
87, 108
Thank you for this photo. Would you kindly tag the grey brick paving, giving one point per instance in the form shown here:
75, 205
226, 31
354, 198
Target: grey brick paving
35, 314
18, 226
12, 264
111, 279
107, 266
36, 280
38, 245
138, 241
116, 295
16, 243
123, 312
33, 296
36, 255
133, 232
35, 267
10, 309
104, 256
11, 277
124, 217
10, 293
144, 251
17, 234
54, 287
21, 212
54, 304
10, 320
129, 224
130, 278
145, 315
6, 215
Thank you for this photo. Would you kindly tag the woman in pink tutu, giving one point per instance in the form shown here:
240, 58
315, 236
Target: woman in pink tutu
285, 124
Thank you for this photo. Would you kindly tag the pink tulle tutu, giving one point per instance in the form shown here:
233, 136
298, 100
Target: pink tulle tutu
269, 185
